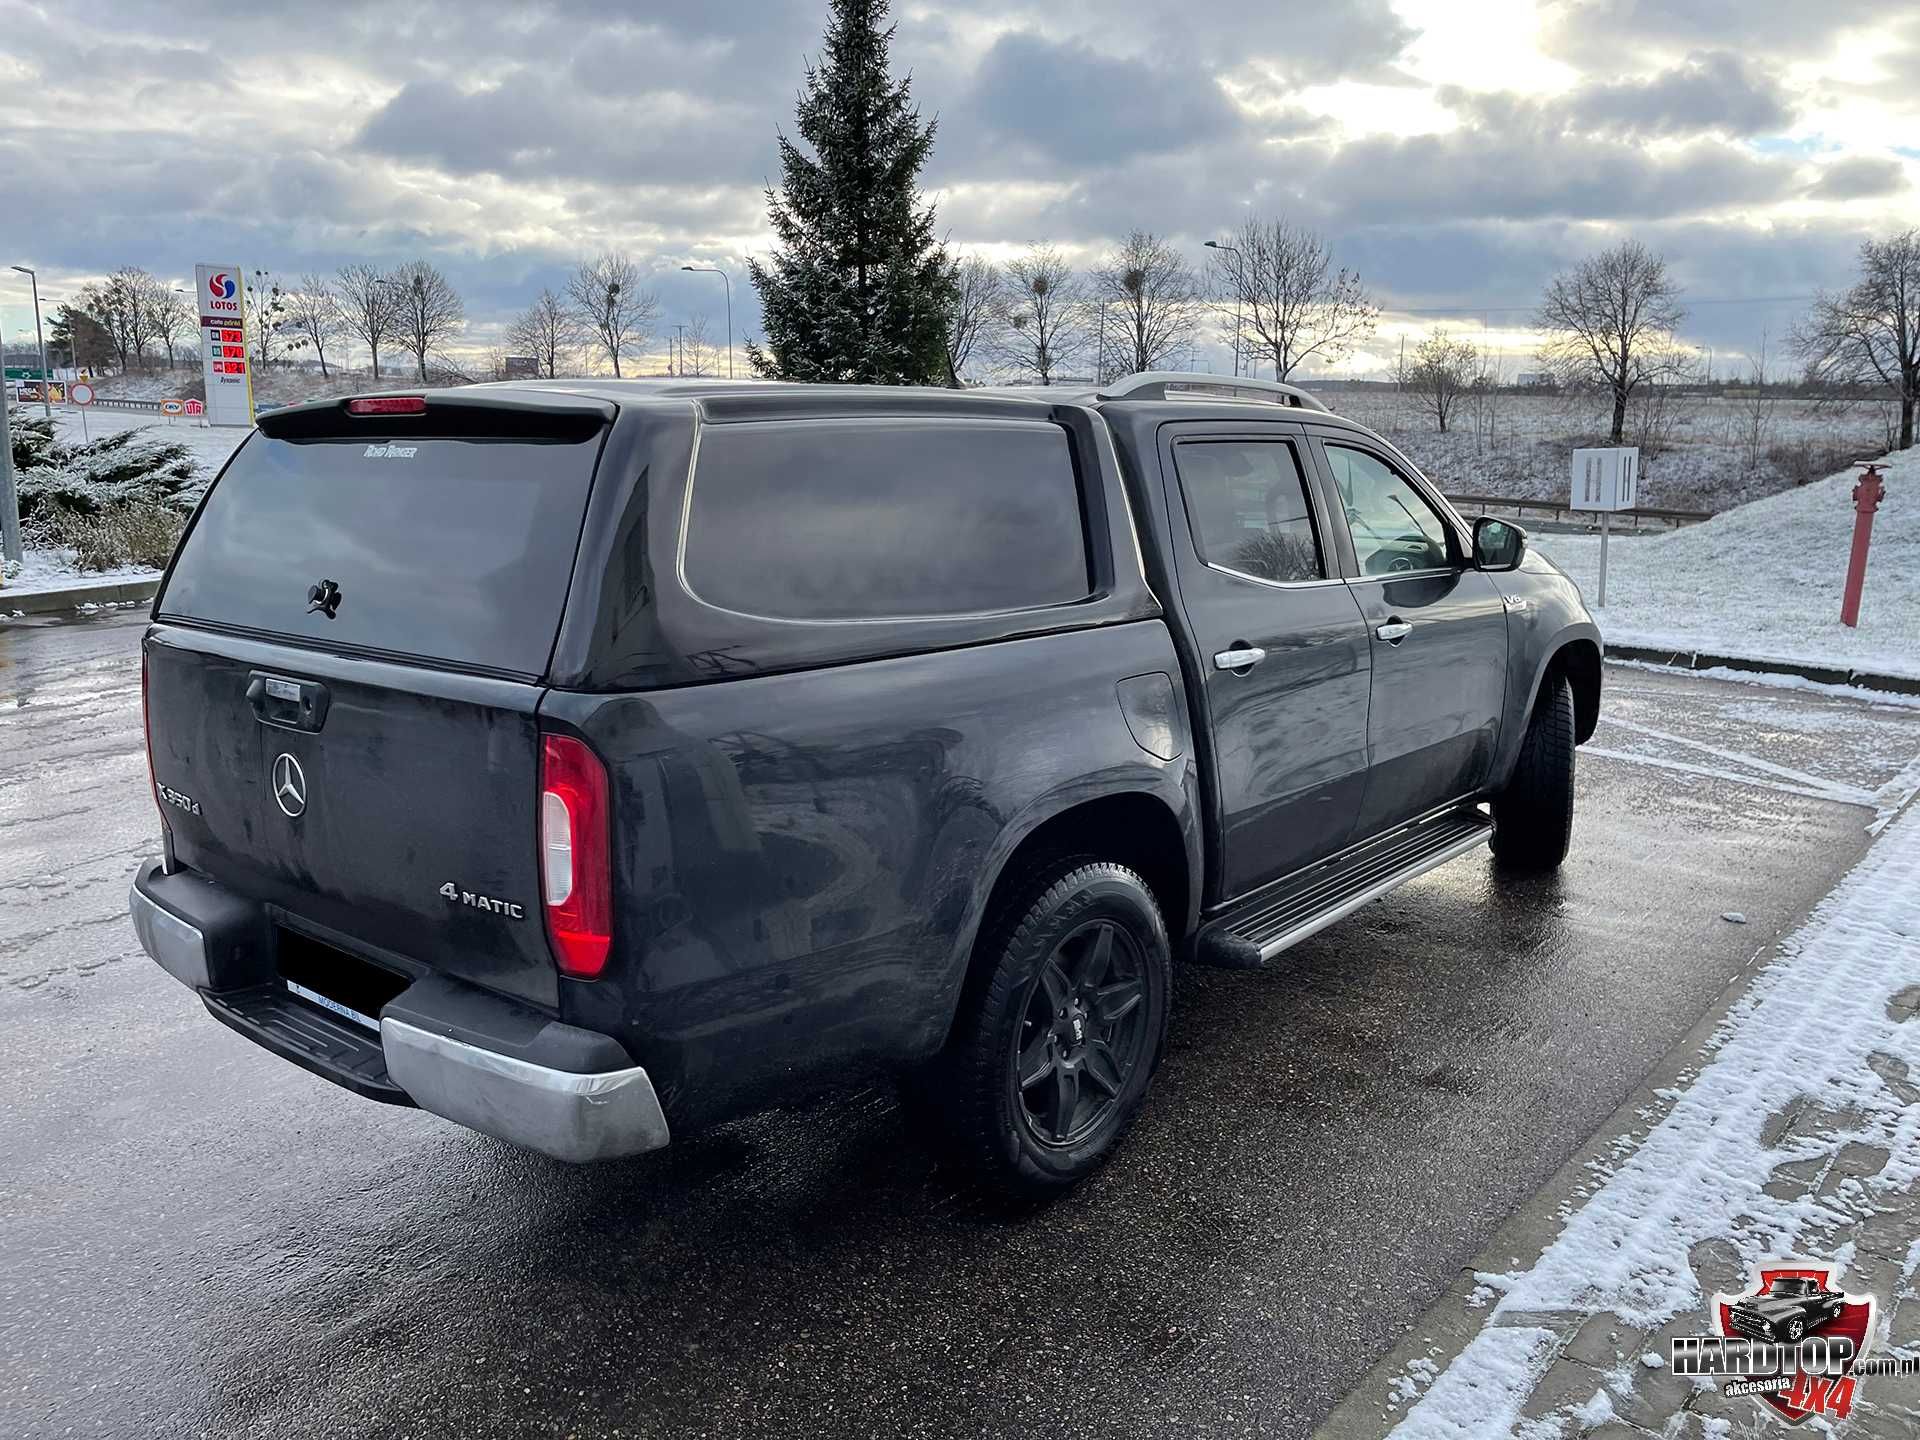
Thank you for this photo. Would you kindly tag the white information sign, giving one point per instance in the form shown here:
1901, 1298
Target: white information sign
1606, 479
223, 344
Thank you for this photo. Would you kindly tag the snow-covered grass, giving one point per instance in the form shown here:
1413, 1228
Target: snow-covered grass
57, 568
1823, 1026
1764, 581
1698, 452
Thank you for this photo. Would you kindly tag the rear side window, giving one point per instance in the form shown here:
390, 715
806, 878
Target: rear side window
1247, 508
458, 551
872, 519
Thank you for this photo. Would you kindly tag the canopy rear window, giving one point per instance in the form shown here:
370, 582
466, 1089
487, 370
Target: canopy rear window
457, 551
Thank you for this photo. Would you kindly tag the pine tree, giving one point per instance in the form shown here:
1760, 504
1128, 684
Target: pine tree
858, 290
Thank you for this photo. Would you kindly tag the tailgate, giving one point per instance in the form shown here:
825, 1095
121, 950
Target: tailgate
403, 820
347, 663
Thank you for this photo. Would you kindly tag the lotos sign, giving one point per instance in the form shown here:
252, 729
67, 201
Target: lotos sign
223, 344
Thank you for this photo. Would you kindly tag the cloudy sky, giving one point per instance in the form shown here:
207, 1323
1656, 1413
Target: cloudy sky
1456, 151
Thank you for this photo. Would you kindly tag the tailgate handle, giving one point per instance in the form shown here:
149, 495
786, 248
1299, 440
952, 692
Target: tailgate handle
291, 704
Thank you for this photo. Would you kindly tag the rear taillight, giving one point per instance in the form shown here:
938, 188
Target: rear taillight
576, 864
388, 405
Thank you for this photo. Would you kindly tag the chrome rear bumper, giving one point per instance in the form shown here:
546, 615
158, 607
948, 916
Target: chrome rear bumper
569, 1114
570, 1117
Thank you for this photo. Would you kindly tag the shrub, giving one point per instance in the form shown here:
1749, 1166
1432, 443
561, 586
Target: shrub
133, 467
138, 534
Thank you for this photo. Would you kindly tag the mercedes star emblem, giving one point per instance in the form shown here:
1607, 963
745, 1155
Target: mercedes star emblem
289, 785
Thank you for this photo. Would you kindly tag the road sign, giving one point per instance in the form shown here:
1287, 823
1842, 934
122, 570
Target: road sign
223, 344
173, 407
195, 407
81, 394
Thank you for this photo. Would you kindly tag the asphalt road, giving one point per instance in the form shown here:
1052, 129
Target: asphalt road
200, 1239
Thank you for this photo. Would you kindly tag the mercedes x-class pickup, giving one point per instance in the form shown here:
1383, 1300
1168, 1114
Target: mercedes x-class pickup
591, 762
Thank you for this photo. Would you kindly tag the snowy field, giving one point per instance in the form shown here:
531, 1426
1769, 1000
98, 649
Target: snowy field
1697, 452
1764, 581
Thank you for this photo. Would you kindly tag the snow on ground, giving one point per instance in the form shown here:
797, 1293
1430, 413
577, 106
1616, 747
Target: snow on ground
1764, 581
1823, 1025
1698, 452
55, 569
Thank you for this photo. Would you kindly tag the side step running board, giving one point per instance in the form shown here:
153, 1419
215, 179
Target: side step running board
1304, 903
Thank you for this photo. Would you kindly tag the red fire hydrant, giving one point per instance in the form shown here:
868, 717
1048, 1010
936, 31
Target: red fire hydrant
1867, 496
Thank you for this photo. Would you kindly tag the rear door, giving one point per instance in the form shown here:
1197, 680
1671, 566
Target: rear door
1282, 644
1438, 629
345, 673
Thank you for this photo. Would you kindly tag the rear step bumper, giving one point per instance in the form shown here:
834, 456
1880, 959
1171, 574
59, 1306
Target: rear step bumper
487, 1063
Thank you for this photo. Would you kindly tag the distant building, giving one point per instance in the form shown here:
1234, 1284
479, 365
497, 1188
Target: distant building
522, 367
1535, 379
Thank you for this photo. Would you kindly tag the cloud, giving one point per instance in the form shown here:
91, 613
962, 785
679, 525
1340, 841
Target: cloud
1860, 177
1067, 103
503, 138
1588, 33
1710, 92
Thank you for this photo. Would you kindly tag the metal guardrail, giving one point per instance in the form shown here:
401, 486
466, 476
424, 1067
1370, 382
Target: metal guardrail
1559, 512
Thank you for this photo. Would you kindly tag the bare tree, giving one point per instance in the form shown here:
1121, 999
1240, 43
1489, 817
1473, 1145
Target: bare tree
1158, 301
698, 354
266, 313
1441, 371
610, 304
122, 305
1044, 322
546, 330
368, 308
979, 297
1610, 322
173, 318
312, 317
1870, 335
429, 310
1280, 279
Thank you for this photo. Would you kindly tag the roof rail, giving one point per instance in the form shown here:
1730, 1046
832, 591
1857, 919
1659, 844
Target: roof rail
1167, 384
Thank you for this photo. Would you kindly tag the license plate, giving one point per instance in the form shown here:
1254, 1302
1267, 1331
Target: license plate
326, 1003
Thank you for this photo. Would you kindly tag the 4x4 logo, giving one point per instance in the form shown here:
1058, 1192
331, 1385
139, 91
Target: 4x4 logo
482, 902
1794, 1343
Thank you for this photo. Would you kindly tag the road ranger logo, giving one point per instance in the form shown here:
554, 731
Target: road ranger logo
391, 452
1794, 1344
482, 902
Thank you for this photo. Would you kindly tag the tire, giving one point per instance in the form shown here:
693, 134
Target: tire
1796, 1329
1046, 998
1533, 816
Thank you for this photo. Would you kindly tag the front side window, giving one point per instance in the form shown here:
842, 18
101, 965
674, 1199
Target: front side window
885, 519
1394, 529
1247, 507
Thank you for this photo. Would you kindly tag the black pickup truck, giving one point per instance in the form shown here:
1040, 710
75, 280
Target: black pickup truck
589, 762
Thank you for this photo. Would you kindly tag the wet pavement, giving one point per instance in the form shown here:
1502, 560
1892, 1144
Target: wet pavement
199, 1238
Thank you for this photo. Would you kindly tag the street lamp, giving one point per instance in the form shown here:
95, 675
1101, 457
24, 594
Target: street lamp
716, 270
1216, 245
46, 388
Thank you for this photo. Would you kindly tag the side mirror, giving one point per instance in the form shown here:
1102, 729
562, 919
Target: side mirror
1497, 544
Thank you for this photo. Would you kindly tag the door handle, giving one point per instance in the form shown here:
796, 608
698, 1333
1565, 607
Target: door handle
1242, 657
1394, 631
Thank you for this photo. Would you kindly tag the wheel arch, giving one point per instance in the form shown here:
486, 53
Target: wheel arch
1140, 829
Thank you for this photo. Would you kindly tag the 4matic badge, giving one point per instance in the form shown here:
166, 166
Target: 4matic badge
482, 902
1795, 1344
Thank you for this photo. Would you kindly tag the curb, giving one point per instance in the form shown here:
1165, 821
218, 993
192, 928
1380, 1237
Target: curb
45, 602
1823, 674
